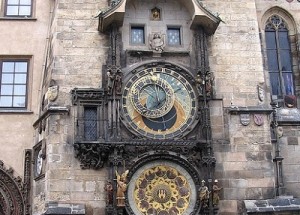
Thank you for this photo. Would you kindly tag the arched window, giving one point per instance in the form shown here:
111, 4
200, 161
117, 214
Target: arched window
279, 57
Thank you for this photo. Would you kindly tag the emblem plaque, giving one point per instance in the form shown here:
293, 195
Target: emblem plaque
258, 119
245, 119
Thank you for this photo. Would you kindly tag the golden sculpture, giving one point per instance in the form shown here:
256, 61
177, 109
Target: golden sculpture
204, 195
155, 14
121, 188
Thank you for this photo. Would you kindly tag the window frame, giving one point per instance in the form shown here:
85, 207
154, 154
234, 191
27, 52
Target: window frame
16, 60
6, 5
174, 27
286, 99
96, 109
137, 26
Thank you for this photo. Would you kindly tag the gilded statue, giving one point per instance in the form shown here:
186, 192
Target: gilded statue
121, 188
204, 195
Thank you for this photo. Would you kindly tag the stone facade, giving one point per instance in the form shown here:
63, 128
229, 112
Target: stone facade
71, 47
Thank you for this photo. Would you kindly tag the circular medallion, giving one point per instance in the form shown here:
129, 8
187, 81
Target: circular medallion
159, 103
161, 188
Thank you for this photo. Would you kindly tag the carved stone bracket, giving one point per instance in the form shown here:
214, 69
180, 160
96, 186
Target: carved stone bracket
208, 161
94, 155
90, 155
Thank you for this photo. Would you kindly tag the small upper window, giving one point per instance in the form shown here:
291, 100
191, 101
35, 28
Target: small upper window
13, 84
279, 58
18, 8
137, 35
173, 35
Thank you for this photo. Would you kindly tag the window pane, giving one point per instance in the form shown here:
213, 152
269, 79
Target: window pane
284, 42
25, 10
288, 83
137, 35
21, 67
12, 1
7, 78
272, 60
275, 84
8, 67
20, 90
19, 101
25, 2
286, 61
13, 89
5, 101
12, 10
271, 39
90, 123
174, 36
20, 78
6, 89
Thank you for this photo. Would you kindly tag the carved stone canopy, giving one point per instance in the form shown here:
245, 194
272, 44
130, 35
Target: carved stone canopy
199, 14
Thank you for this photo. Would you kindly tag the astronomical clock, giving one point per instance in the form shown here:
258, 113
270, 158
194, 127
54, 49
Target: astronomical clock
153, 131
159, 103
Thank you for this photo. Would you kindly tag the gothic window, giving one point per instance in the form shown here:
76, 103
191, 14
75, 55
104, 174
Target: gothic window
137, 35
278, 50
13, 83
173, 34
18, 8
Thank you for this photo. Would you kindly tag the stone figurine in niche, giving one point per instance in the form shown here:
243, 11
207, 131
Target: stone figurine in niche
109, 192
216, 193
114, 82
155, 14
157, 42
121, 188
204, 195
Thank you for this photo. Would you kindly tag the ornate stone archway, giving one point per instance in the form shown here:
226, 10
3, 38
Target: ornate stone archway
14, 193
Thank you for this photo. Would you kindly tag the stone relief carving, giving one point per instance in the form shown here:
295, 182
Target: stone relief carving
260, 92
157, 42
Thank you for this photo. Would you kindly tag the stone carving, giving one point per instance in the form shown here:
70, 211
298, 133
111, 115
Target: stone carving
260, 93
91, 156
157, 42
245, 119
121, 188
279, 132
216, 193
109, 192
258, 119
204, 195
114, 79
52, 93
14, 194
88, 95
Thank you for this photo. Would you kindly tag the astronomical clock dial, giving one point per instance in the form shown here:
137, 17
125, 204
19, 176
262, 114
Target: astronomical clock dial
159, 103
162, 188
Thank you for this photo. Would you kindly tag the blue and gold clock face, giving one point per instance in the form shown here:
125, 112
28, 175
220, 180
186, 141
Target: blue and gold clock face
159, 103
